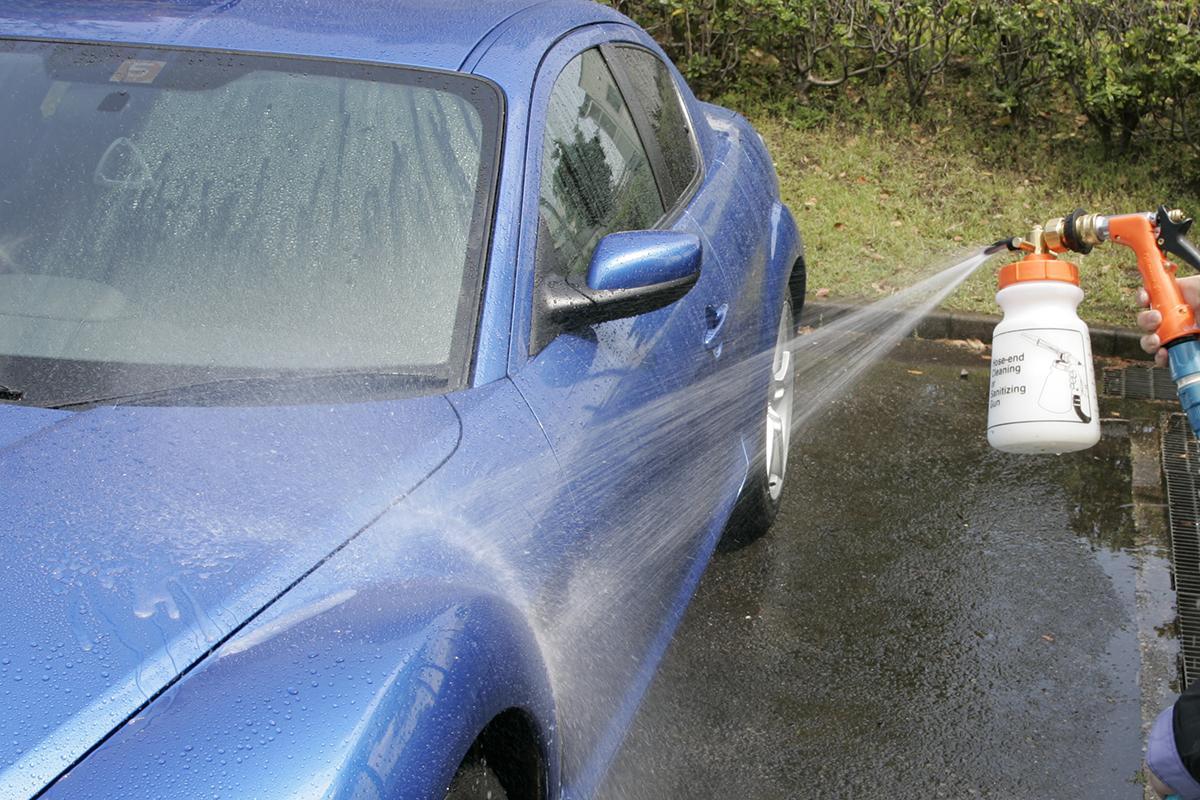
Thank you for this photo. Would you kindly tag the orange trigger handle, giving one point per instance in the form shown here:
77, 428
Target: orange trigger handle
1136, 231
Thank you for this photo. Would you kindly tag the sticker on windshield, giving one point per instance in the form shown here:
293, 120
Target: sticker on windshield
133, 70
53, 97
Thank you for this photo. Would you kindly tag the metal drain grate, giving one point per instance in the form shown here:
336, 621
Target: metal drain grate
1139, 383
1181, 466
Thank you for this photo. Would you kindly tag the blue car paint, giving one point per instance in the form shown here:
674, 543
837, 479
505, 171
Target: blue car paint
16, 423
336, 701
378, 668
434, 588
633, 259
362, 30
134, 543
581, 384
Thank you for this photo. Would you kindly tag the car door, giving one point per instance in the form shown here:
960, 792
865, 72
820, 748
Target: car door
631, 407
731, 213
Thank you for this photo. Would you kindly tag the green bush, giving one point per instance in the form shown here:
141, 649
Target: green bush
1012, 45
1132, 70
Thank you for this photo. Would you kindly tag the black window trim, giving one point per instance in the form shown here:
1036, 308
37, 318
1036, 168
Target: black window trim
461, 371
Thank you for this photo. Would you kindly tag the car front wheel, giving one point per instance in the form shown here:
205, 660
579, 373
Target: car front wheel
762, 495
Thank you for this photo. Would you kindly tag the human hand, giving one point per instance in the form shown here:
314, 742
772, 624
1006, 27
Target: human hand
1149, 320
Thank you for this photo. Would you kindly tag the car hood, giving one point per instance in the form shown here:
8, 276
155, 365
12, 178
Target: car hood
133, 540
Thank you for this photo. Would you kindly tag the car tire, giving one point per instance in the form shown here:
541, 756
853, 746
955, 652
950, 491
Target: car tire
476, 780
762, 495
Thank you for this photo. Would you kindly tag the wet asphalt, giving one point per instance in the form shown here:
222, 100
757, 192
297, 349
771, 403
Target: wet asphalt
928, 617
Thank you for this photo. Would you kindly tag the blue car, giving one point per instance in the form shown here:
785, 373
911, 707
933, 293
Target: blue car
376, 381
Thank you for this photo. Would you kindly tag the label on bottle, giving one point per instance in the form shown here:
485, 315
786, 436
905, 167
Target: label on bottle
1040, 375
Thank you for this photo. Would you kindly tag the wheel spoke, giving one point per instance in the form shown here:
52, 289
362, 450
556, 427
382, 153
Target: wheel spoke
779, 408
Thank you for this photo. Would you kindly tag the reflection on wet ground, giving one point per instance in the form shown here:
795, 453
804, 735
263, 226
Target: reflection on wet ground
928, 618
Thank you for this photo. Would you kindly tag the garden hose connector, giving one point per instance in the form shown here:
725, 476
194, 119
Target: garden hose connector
1078, 232
1184, 356
1152, 235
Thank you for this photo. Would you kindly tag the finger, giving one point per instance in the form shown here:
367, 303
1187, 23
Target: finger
1143, 297
1150, 343
1190, 287
1149, 320
1161, 358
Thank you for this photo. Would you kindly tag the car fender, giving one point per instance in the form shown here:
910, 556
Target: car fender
360, 693
787, 255
761, 182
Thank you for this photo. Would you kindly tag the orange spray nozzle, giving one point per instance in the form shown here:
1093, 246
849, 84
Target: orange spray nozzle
1151, 235
1140, 233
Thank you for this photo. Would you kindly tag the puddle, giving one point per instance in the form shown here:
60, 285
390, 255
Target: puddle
929, 618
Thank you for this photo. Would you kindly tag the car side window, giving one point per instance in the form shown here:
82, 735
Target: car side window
596, 177
656, 91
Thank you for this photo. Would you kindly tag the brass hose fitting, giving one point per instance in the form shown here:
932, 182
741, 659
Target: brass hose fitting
1078, 231
1052, 235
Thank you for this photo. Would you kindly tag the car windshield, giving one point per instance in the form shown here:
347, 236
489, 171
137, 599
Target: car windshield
177, 218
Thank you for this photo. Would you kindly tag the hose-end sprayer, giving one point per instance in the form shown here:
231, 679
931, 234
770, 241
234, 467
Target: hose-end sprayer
1042, 396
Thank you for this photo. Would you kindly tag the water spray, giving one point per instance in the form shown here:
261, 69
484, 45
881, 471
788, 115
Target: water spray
1042, 397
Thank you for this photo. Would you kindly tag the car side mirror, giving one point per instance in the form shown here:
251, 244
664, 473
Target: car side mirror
633, 272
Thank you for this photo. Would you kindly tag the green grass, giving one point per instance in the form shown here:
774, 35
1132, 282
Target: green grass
881, 204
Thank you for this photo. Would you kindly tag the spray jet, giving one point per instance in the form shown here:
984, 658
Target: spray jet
1153, 236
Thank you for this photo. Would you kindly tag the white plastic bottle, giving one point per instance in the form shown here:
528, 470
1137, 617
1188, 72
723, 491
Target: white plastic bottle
1042, 395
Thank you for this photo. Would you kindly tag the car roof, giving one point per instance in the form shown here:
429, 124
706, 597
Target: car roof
412, 32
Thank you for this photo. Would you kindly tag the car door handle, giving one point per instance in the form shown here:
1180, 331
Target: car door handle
714, 318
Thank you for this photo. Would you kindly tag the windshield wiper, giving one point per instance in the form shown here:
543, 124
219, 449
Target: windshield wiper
11, 395
254, 385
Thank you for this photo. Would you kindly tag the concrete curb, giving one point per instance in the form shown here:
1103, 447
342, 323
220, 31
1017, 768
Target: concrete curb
1107, 340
